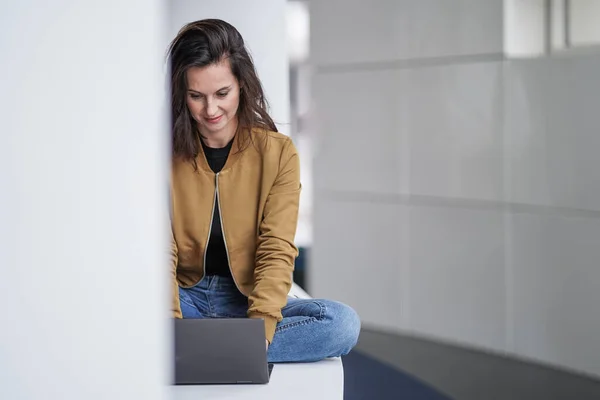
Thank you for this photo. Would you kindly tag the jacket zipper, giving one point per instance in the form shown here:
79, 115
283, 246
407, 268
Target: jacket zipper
223, 228
212, 216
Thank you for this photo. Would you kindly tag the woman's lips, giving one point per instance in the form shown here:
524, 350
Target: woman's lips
213, 120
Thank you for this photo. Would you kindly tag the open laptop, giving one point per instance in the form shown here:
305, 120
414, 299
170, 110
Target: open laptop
220, 351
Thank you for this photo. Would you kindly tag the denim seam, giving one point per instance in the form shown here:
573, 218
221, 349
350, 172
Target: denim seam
209, 291
221, 315
309, 320
186, 302
295, 324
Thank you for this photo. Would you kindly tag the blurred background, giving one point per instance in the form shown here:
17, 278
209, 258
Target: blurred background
449, 153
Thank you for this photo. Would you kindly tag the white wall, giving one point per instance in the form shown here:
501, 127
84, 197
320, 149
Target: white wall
552, 177
525, 26
262, 24
83, 284
584, 18
456, 194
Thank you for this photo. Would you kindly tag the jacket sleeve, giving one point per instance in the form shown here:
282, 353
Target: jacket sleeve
276, 250
175, 306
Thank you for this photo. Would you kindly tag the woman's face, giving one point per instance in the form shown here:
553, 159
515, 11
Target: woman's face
213, 98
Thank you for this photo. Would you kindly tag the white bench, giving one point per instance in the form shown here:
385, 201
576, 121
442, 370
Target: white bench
320, 380
302, 381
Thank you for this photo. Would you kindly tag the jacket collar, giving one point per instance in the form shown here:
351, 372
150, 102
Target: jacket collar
240, 138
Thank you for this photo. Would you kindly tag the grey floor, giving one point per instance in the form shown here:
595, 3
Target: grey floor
465, 374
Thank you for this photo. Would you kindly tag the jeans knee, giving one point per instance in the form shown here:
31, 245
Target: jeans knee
346, 327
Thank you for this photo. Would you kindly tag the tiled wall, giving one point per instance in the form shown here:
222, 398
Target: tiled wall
552, 178
457, 194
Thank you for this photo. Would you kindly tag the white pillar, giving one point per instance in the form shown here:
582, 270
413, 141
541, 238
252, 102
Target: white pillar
83, 157
524, 28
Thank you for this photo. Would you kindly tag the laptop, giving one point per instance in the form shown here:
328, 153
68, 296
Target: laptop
221, 351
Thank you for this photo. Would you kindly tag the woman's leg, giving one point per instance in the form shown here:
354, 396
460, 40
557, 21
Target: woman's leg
311, 329
314, 329
188, 307
213, 297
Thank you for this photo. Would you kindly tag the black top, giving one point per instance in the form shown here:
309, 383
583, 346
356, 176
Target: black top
216, 253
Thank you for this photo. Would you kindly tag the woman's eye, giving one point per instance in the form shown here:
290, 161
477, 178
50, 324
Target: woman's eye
222, 94
195, 96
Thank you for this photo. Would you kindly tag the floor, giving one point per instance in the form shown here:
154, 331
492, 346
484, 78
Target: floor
464, 374
366, 379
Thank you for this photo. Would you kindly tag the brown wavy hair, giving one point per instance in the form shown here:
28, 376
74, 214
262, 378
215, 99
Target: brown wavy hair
207, 42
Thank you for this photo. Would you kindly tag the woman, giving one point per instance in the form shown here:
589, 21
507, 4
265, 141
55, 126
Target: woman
235, 189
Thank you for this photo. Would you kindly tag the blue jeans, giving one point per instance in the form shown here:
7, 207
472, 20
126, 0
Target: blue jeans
311, 329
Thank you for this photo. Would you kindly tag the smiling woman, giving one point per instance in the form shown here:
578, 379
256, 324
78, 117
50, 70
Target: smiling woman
213, 100
235, 192
213, 75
